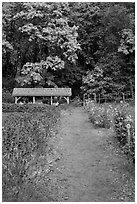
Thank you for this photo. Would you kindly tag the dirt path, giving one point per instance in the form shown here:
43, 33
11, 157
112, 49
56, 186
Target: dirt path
91, 168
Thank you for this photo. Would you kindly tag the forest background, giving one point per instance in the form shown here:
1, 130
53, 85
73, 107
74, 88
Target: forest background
89, 47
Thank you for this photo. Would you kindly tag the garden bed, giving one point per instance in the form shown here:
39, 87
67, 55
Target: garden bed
119, 117
26, 132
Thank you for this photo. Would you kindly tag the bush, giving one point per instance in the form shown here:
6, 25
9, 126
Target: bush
119, 117
8, 83
7, 97
98, 115
125, 131
25, 135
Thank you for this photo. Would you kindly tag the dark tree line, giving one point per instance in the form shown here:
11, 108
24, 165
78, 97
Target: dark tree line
87, 46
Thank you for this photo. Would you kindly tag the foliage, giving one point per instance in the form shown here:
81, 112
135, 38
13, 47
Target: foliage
8, 83
31, 74
98, 115
29, 108
74, 38
110, 77
114, 37
119, 117
25, 136
125, 130
127, 43
55, 31
93, 81
7, 97
42, 34
6, 46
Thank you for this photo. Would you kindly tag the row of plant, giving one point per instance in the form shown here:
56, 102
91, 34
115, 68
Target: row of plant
124, 126
120, 117
99, 115
7, 107
25, 137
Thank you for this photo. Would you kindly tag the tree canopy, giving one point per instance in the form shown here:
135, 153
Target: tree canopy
88, 46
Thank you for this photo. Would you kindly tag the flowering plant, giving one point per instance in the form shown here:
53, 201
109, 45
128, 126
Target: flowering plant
125, 131
120, 117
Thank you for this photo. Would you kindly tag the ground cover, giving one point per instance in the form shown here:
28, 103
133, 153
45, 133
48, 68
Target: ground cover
26, 131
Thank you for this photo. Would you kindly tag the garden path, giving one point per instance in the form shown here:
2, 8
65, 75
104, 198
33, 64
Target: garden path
94, 168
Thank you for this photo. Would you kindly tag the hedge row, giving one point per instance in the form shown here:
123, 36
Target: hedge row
25, 135
7, 107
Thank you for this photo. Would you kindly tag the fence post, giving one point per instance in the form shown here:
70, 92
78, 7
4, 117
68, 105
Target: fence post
95, 97
51, 100
128, 126
105, 113
34, 101
84, 100
123, 96
68, 99
16, 100
99, 98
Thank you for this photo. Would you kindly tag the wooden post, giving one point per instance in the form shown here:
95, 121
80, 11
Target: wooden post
128, 126
123, 96
16, 100
51, 100
95, 97
68, 99
84, 100
99, 98
105, 112
34, 99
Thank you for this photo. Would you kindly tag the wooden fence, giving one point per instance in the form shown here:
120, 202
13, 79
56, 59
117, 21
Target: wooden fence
117, 98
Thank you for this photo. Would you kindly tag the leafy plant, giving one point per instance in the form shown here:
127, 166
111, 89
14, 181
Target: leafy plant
125, 131
7, 107
25, 136
98, 115
84, 35
119, 117
7, 97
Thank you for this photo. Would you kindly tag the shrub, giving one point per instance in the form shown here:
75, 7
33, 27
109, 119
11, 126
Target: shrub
118, 116
120, 127
98, 115
125, 131
8, 83
7, 97
25, 135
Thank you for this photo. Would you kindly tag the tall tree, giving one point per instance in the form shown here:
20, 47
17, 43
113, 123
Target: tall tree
42, 32
66, 40
115, 50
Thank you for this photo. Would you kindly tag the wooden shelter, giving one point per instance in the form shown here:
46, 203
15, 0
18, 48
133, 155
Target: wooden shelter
18, 93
